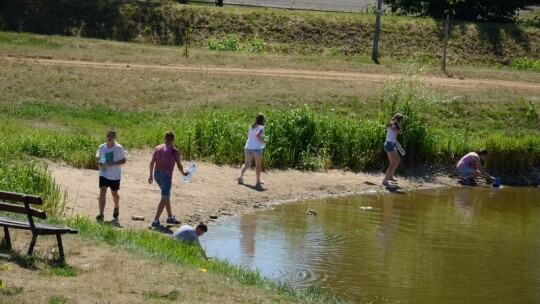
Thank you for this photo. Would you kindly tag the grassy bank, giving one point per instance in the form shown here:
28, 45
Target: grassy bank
314, 123
61, 111
284, 31
154, 268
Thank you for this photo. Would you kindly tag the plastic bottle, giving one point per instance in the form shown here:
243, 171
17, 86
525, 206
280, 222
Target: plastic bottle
400, 149
191, 169
103, 161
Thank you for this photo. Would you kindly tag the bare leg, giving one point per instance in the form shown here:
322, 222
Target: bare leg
258, 167
168, 206
247, 164
394, 159
102, 199
116, 199
474, 174
161, 205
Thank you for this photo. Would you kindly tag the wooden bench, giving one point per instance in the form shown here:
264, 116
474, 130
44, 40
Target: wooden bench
29, 224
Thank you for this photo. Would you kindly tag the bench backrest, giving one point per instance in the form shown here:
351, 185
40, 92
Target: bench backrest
26, 199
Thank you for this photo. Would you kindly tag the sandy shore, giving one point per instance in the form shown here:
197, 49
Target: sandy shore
213, 191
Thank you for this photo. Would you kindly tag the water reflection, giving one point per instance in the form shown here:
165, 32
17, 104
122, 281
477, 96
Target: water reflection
248, 229
463, 245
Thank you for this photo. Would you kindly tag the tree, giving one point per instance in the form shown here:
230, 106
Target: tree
488, 10
449, 11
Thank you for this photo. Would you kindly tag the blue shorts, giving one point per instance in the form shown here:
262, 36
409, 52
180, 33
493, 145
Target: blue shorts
255, 152
164, 182
389, 146
466, 170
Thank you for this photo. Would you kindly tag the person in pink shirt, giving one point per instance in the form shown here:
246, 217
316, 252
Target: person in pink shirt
161, 169
470, 167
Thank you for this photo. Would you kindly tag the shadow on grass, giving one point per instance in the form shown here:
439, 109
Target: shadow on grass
31, 261
493, 34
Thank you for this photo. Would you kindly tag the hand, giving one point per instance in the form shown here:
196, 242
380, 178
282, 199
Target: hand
185, 173
150, 180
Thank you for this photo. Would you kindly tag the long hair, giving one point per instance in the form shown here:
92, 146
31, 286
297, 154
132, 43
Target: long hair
259, 120
397, 117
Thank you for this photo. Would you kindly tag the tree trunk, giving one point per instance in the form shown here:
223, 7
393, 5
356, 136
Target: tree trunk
446, 34
375, 51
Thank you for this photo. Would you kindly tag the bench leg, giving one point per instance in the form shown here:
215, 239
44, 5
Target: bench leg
7, 239
60, 247
32, 243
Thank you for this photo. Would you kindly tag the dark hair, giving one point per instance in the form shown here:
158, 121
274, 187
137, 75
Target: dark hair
482, 152
169, 135
202, 226
259, 120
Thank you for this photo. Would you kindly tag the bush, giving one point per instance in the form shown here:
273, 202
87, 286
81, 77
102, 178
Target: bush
228, 43
524, 63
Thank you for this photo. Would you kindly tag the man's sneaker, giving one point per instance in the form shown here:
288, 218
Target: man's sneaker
173, 220
465, 181
155, 224
99, 218
385, 182
240, 181
116, 213
472, 181
258, 185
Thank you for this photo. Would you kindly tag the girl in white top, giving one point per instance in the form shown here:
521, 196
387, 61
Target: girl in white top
254, 150
393, 128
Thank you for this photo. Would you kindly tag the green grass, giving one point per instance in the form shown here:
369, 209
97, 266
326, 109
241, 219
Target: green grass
165, 247
58, 300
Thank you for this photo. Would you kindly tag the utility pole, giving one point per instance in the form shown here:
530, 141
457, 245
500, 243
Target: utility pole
377, 32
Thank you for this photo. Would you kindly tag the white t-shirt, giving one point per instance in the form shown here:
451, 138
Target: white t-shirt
391, 135
113, 154
252, 141
186, 233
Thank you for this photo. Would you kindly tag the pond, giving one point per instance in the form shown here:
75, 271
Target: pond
458, 245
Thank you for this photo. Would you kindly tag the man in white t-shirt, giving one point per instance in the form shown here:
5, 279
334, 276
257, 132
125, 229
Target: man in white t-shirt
190, 235
111, 156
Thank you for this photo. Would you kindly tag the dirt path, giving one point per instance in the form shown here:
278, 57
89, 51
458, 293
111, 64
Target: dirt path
214, 192
291, 73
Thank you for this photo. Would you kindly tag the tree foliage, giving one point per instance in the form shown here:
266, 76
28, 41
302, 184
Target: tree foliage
488, 10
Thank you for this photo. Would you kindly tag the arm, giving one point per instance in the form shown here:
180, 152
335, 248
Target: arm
396, 126
482, 171
259, 136
202, 250
180, 167
117, 163
152, 163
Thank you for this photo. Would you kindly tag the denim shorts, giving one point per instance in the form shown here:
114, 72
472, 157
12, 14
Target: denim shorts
466, 170
389, 146
164, 182
255, 152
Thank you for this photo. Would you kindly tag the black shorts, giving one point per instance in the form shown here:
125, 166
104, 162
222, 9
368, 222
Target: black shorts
113, 184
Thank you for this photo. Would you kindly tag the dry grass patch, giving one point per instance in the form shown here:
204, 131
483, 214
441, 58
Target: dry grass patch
97, 273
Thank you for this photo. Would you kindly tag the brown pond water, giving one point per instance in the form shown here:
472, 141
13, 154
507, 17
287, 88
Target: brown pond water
460, 245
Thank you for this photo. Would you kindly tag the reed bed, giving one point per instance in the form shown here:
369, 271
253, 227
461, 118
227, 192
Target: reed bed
300, 138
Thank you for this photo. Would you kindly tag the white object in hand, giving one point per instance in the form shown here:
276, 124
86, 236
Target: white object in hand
400, 149
190, 171
103, 161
